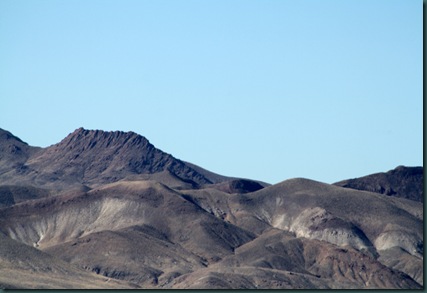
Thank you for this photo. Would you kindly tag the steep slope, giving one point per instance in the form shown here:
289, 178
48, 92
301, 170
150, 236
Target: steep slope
404, 182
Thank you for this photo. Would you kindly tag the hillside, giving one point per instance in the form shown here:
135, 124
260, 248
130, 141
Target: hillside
109, 210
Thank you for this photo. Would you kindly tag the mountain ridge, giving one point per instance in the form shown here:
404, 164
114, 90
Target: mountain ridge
85, 157
109, 209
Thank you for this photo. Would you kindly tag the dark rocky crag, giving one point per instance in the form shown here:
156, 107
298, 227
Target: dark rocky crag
404, 182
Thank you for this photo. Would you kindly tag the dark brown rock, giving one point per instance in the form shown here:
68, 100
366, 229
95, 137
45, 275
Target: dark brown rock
405, 182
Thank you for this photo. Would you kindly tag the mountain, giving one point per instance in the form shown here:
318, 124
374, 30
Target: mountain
405, 182
86, 158
109, 210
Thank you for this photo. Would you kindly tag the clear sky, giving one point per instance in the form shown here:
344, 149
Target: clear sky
261, 89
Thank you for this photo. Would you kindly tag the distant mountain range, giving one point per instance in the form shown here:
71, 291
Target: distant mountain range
109, 210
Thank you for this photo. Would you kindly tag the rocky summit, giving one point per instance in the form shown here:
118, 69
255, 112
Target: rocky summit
105, 209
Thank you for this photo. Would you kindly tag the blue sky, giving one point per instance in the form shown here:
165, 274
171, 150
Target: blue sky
261, 89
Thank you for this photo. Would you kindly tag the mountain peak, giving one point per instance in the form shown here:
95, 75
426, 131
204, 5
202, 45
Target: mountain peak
108, 156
